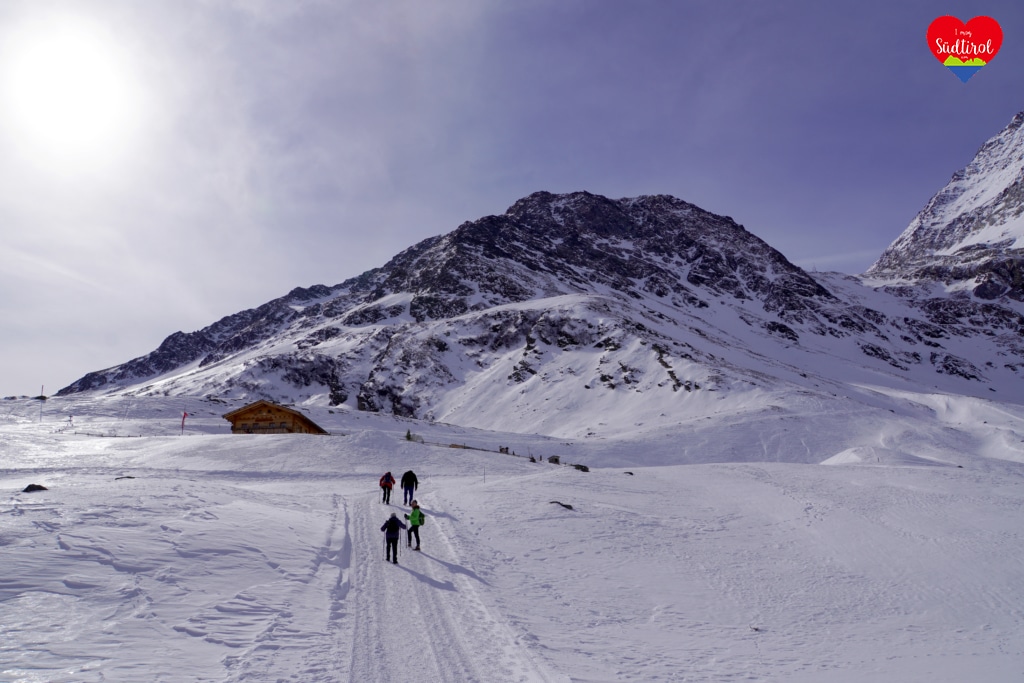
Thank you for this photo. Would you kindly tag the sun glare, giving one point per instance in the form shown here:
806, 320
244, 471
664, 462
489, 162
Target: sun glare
69, 92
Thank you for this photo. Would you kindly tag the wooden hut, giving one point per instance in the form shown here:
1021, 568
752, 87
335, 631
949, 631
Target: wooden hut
264, 417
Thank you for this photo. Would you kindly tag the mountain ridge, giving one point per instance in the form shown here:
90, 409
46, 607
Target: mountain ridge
650, 298
970, 234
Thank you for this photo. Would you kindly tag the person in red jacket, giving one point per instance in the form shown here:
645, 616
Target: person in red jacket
386, 484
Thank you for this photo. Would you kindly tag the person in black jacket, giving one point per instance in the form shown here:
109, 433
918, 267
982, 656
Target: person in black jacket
409, 485
392, 532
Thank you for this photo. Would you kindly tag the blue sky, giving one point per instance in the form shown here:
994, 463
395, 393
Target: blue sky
243, 148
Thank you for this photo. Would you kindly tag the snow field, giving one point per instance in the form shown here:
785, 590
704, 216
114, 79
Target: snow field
259, 558
766, 572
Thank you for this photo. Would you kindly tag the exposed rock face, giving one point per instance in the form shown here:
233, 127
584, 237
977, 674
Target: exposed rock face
648, 298
970, 235
545, 245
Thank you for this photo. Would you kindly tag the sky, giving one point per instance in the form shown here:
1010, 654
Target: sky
167, 164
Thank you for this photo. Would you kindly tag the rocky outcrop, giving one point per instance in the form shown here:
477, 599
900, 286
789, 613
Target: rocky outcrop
970, 235
644, 297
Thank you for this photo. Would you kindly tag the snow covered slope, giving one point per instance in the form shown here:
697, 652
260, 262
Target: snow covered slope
159, 557
765, 474
570, 311
970, 236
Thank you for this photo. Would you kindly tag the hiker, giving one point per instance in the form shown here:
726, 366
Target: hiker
391, 531
409, 484
416, 519
386, 482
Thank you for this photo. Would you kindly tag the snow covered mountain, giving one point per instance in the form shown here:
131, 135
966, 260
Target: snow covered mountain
819, 473
970, 235
576, 305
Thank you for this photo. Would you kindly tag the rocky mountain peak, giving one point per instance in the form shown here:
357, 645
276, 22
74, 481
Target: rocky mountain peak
550, 244
580, 301
970, 235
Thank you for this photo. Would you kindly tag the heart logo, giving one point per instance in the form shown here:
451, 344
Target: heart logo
964, 48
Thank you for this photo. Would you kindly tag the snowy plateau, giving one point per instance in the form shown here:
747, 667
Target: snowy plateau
650, 449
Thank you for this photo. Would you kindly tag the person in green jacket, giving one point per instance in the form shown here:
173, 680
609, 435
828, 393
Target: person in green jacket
416, 519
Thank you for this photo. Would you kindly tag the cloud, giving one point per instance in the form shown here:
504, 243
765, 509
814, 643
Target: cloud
278, 148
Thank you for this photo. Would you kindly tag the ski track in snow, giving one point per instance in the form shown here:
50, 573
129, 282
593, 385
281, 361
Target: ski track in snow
425, 617
319, 644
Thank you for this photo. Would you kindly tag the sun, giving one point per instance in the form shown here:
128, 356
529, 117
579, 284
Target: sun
69, 93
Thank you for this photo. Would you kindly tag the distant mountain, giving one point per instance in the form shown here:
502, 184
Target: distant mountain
970, 235
572, 314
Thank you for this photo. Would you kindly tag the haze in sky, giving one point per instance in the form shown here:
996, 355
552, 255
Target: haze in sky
166, 164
